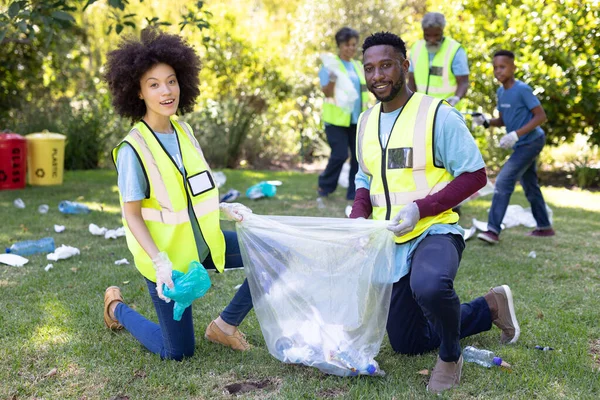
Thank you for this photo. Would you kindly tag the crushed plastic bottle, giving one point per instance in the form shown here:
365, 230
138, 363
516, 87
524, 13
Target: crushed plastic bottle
485, 358
43, 209
187, 288
230, 196
261, 189
29, 247
354, 361
71, 207
19, 203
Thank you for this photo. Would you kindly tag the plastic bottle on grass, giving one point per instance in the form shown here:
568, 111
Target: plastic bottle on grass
71, 207
485, 358
355, 361
29, 247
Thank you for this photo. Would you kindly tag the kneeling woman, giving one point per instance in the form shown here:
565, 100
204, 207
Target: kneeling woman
169, 200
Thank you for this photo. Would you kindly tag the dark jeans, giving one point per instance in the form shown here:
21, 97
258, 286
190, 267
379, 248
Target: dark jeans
425, 312
175, 339
339, 139
521, 165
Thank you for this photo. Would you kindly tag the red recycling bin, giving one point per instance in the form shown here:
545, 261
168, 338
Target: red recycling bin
13, 160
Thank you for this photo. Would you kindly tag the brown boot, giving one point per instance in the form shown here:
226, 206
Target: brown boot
237, 341
445, 375
502, 308
111, 295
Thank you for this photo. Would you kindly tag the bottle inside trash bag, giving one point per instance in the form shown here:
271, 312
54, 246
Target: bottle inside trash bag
71, 207
485, 358
29, 247
355, 361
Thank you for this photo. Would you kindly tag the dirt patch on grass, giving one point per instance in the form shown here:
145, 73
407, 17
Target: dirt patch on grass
250, 386
595, 352
331, 393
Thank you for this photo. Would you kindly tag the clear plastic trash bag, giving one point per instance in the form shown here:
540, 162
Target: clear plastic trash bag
321, 288
187, 288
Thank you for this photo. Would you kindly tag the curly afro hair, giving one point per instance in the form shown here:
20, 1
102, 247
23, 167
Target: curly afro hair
385, 38
134, 57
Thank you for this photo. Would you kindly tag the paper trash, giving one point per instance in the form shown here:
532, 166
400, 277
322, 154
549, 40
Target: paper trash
13, 260
62, 253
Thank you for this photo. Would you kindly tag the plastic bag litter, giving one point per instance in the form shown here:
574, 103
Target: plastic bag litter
344, 179
59, 228
345, 94
517, 215
484, 191
321, 288
187, 288
19, 203
96, 230
114, 233
220, 178
14, 260
262, 189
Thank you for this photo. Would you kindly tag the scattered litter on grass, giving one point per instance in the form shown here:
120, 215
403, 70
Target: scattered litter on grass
125, 282
59, 228
484, 191
238, 286
52, 372
48, 267
96, 230
14, 260
63, 252
121, 261
43, 209
74, 269
230, 196
424, 372
220, 178
263, 189
114, 233
72, 207
532, 254
543, 348
19, 203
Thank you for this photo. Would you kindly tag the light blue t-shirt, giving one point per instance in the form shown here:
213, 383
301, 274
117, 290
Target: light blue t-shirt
455, 149
324, 78
516, 104
133, 186
460, 64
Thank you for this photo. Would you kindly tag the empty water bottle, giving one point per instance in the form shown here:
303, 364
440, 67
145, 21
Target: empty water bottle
355, 361
71, 207
485, 358
29, 247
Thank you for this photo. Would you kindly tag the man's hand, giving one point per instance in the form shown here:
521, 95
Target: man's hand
164, 271
507, 141
409, 215
234, 211
332, 76
478, 120
452, 100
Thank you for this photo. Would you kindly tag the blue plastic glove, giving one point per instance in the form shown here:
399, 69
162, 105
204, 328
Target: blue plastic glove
187, 288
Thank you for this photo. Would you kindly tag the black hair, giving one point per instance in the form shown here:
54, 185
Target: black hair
344, 35
385, 38
134, 57
505, 53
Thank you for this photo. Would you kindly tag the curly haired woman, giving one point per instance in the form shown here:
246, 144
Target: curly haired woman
168, 197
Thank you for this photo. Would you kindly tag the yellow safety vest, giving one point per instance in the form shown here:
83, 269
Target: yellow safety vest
169, 194
403, 170
437, 79
334, 115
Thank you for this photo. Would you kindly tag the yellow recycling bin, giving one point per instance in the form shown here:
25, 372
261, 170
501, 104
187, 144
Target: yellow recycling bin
45, 158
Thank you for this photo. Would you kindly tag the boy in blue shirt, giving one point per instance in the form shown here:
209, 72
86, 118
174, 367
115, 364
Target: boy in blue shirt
522, 114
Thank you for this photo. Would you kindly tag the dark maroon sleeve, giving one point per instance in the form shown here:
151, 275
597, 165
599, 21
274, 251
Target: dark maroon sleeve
362, 206
453, 194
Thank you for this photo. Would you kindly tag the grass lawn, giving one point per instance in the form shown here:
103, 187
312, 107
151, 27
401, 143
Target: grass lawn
53, 320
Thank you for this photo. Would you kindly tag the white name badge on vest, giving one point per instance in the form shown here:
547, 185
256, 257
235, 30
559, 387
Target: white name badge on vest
401, 157
200, 183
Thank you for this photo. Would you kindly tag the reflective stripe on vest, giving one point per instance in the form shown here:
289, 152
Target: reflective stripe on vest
403, 169
166, 210
334, 115
437, 79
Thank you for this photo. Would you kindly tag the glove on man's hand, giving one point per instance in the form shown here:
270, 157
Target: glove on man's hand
452, 100
234, 211
409, 215
164, 271
480, 119
507, 141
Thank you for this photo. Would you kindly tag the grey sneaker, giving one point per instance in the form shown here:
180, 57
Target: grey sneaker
500, 301
445, 375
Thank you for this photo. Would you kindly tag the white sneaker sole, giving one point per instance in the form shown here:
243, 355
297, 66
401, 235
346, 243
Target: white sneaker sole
513, 317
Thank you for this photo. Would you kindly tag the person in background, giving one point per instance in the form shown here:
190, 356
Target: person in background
340, 126
522, 114
412, 171
438, 63
169, 200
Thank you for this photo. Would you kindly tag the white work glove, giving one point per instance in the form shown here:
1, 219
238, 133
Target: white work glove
479, 120
234, 211
453, 100
332, 76
164, 271
507, 141
409, 215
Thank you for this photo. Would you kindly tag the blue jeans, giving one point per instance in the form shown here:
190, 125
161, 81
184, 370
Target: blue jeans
425, 311
175, 339
521, 165
340, 139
